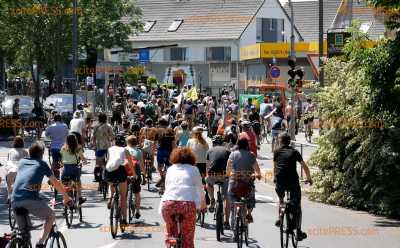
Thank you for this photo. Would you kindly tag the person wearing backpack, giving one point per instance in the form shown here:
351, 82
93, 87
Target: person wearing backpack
151, 110
138, 162
182, 135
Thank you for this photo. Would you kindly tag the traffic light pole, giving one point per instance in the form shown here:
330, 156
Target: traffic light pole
75, 52
292, 125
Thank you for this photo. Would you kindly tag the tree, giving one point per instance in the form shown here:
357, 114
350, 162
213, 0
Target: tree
359, 153
107, 24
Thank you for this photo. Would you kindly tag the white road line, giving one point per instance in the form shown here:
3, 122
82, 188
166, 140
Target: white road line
109, 245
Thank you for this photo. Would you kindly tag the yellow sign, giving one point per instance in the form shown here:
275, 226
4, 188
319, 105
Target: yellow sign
277, 50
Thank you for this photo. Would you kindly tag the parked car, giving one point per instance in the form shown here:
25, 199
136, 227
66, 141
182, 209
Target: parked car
25, 105
62, 104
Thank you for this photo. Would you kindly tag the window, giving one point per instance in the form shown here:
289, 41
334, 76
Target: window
218, 53
176, 54
175, 25
149, 25
233, 70
270, 30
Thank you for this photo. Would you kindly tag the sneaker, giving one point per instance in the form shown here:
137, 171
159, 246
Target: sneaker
137, 215
226, 225
82, 200
301, 235
278, 223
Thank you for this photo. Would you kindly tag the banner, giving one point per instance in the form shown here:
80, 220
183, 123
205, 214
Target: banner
257, 99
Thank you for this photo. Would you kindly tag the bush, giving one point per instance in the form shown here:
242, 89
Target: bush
359, 152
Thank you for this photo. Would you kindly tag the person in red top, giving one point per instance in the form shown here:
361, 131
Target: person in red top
250, 135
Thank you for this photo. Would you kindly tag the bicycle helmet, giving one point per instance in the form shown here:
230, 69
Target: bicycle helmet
217, 140
120, 140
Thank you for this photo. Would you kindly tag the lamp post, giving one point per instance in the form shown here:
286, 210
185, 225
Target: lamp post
292, 56
75, 51
321, 42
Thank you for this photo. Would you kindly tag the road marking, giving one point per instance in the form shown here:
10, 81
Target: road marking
270, 199
109, 245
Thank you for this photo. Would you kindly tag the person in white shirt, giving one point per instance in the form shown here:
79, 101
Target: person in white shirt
14, 156
77, 127
183, 195
199, 147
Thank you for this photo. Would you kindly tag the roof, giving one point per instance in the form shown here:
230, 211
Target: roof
202, 19
306, 16
365, 14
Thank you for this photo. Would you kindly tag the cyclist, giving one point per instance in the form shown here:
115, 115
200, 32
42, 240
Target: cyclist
77, 127
199, 147
255, 120
57, 133
166, 143
138, 161
242, 165
277, 125
72, 154
265, 109
102, 138
27, 186
147, 138
116, 172
309, 116
182, 134
183, 195
13, 157
287, 179
217, 159
248, 133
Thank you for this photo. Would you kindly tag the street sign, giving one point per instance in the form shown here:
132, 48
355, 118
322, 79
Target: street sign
275, 72
144, 56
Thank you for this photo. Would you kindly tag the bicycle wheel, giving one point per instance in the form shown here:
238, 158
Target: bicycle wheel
58, 241
149, 176
18, 243
114, 217
11, 217
131, 205
246, 234
104, 189
284, 230
294, 234
239, 232
219, 222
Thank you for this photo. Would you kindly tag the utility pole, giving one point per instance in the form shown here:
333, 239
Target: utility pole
292, 124
321, 42
75, 52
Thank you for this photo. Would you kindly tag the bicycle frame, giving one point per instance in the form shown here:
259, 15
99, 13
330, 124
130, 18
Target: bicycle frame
176, 242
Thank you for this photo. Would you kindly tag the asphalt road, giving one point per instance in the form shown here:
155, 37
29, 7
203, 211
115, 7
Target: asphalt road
327, 226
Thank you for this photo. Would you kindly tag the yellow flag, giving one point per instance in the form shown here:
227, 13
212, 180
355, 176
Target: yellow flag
194, 95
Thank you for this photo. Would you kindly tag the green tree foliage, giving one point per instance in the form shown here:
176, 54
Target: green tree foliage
391, 8
359, 153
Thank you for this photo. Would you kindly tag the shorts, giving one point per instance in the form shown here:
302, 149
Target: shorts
55, 155
119, 175
71, 172
202, 168
135, 184
100, 153
251, 198
295, 192
308, 120
38, 208
163, 158
275, 133
212, 180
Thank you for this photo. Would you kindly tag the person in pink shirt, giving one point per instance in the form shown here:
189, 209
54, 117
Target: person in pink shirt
250, 135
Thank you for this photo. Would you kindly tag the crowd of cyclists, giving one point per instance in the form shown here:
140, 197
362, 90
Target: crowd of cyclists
165, 128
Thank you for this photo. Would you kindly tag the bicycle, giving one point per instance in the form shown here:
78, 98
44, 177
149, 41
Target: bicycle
177, 241
55, 167
115, 212
21, 238
131, 201
148, 170
288, 223
70, 186
239, 222
219, 212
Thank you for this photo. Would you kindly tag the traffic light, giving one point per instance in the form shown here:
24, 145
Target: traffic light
292, 72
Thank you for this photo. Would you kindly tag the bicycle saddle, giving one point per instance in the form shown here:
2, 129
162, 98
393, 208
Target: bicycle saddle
21, 211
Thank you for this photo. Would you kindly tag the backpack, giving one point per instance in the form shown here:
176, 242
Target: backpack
150, 110
183, 138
